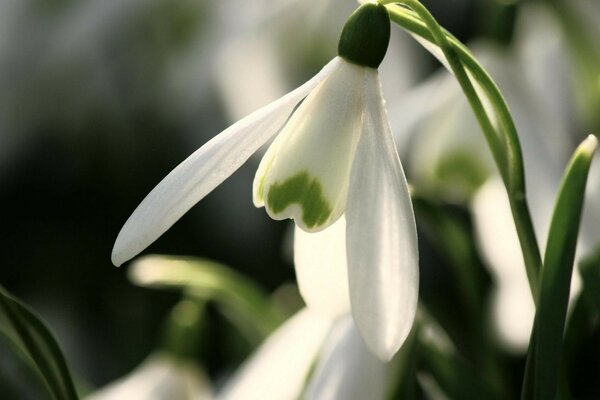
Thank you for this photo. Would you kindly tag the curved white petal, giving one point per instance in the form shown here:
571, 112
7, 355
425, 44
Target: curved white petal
305, 173
159, 377
321, 269
347, 369
434, 49
205, 169
381, 237
278, 369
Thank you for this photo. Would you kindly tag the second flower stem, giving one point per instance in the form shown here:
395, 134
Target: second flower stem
500, 132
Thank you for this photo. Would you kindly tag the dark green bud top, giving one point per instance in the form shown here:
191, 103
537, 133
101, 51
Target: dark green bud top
365, 37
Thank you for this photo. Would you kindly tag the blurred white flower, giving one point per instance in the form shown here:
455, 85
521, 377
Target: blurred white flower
261, 47
279, 369
159, 377
446, 150
334, 155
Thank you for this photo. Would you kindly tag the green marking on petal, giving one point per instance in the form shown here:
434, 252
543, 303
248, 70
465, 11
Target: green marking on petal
261, 187
306, 192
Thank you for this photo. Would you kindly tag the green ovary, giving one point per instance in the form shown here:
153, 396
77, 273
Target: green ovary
306, 192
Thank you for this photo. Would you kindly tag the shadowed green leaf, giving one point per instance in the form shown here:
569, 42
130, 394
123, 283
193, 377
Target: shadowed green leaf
239, 298
544, 356
39, 345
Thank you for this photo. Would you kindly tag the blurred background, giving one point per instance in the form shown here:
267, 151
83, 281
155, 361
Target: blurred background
100, 99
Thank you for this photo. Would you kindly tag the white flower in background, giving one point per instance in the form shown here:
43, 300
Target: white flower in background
280, 367
159, 377
334, 155
441, 132
262, 46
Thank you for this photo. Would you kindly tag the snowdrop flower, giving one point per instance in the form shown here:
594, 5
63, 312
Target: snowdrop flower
279, 368
334, 155
323, 333
159, 377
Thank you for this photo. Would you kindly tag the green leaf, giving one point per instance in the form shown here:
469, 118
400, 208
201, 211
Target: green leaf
239, 298
544, 356
39, 345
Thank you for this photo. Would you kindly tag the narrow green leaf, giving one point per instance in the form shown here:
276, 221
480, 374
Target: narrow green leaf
238, 297
184, 330
544, 357
39, 344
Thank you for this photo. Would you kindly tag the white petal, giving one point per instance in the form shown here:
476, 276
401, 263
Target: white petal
434, 49
321, 269
305, 173
347, 369
205, 169
411, 111
381, 235
159, 377
437, 52
278, 369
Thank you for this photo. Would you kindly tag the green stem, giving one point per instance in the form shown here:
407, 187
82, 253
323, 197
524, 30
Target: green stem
500, 133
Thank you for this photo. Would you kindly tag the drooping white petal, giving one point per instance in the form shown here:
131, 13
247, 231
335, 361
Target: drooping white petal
381, 235
434, 49
205, 169
347, 369
305, 173
278, 369
321, 269
159, 377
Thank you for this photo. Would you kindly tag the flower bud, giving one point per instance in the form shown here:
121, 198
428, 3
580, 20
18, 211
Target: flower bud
365, 37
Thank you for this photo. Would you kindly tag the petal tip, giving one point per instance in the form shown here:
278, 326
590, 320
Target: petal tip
122, 251
383, 350
117, 257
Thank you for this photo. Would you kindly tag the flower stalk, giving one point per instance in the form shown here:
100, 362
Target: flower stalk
498, 128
